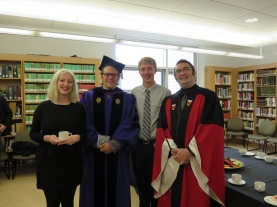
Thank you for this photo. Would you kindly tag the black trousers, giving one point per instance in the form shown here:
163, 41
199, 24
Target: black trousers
142, 159
55, 197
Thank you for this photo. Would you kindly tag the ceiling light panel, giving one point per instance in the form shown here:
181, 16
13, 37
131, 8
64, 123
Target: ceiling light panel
15, 31
265, 21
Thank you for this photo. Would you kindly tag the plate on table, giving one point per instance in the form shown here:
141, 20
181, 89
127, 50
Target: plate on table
250, 154
271, 200
231, 164
242, 182
259, 158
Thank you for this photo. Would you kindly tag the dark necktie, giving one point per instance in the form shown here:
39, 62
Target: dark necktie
183, 102
146, 117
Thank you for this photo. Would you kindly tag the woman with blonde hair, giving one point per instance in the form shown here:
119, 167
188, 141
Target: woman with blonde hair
59, 161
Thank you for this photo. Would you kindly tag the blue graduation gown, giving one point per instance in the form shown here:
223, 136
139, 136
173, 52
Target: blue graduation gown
106, 179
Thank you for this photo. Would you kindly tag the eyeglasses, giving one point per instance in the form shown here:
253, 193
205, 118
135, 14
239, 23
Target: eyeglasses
106, 75
185, 69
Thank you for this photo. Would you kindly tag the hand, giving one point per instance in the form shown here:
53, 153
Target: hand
105, 147
70, 140
53, 139
2, 127
181, 155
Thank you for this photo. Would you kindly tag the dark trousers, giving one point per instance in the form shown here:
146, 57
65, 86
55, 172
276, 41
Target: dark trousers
55, 197
142, 159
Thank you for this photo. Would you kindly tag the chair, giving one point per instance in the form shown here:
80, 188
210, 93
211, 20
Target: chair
4, 157
235, 127
272, 140
265, 131
24, 138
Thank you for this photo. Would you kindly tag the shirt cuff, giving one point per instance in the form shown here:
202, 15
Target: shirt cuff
114, 144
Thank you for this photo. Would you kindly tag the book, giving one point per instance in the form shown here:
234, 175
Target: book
10, 92
3, 71
18, 92
10, 72
15, 92
18, 110
15, 73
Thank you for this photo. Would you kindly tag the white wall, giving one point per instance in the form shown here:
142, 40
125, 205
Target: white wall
14, 44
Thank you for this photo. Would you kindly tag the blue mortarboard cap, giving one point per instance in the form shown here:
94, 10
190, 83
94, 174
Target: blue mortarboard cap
107, 61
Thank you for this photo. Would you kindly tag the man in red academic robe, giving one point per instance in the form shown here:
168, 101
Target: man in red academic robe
189, 150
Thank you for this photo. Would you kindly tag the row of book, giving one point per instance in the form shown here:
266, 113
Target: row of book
29, 66
28, 119
266, 72
30, 108
269, 102
245, 77
80, 68
268, 80
225, 92
246, 105
246, 86
30, 87
266, 91
261, 111
85, 78
85, 87
13, 92
41, 77
38, 77
246, 115
225, 104
222, 79
246, 96
10, 71
35, 98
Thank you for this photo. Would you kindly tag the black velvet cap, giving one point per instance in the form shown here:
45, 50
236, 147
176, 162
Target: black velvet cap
107, 61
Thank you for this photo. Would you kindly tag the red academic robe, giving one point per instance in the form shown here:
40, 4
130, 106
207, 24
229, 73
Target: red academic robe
198, 126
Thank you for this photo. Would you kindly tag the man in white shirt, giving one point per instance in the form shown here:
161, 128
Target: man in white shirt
143, 155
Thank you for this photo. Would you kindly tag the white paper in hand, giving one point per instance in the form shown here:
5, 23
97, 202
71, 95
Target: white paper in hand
102, 139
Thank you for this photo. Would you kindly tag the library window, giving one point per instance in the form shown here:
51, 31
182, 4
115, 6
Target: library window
166, 60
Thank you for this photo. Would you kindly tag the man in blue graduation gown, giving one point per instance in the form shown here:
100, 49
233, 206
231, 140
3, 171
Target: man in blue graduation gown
112, 129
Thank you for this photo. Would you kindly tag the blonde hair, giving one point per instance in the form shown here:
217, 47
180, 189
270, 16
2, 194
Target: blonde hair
53, 93
148, 60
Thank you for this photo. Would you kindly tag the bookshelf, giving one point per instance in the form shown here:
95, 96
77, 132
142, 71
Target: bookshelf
36, 72
221, 80
266, 95
10, 88
245, 99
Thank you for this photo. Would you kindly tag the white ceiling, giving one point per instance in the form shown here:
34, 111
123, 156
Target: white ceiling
204, 23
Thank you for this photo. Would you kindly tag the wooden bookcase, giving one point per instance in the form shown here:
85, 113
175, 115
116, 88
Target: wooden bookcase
264, 92
245, 99
221, 80
253, 92
10, 88
36, 72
